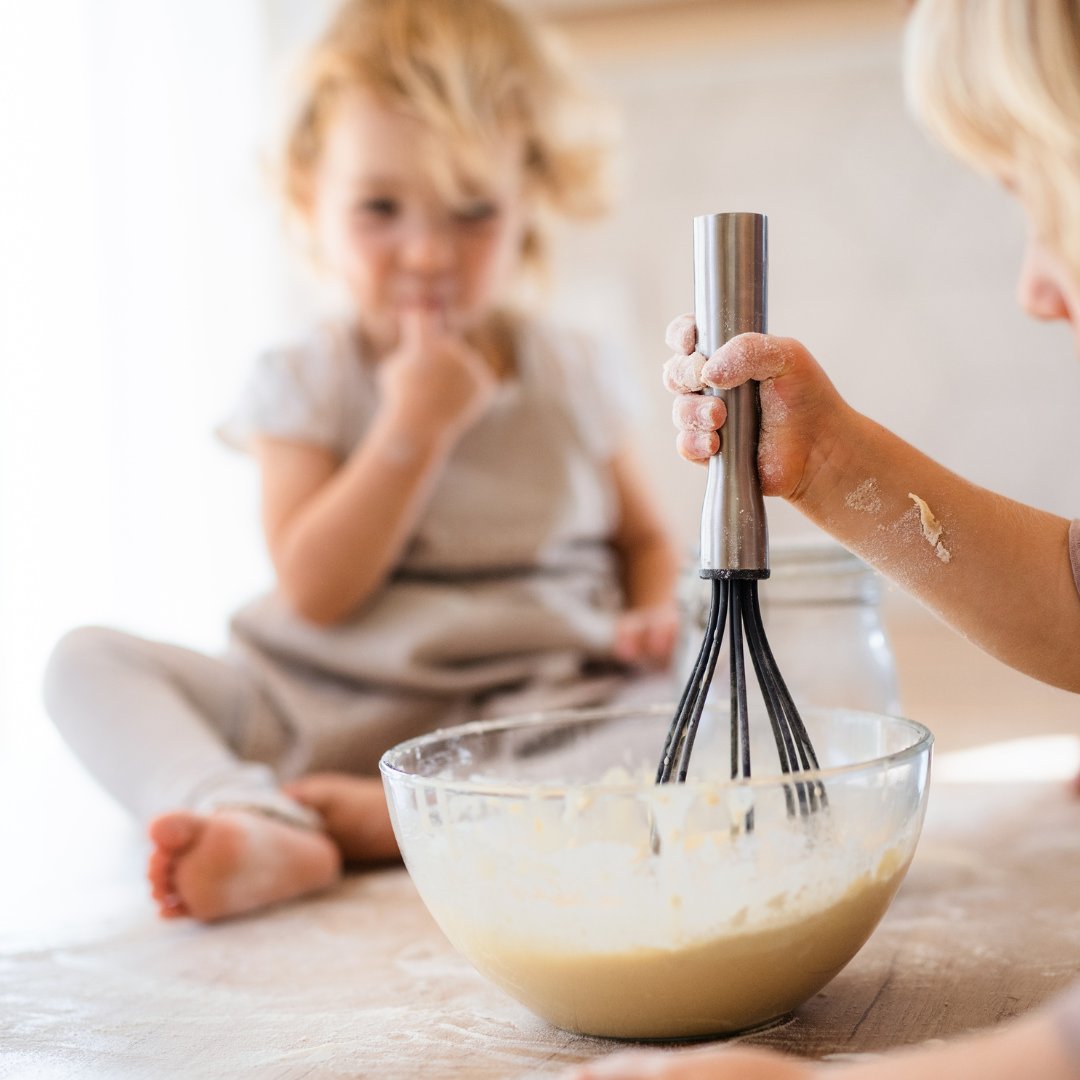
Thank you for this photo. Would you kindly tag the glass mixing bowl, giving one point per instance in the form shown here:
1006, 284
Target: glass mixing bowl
611, 906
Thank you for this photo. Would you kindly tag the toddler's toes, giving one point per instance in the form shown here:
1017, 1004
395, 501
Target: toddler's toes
171, 834
172, 907
159, 872
177, 831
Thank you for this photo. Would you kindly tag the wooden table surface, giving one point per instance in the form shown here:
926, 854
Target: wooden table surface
360, 982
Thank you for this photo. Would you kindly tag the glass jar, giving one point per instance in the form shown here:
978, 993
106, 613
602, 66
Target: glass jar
821, 610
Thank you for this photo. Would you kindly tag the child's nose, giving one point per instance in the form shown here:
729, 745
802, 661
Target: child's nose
427, 247
1038, 291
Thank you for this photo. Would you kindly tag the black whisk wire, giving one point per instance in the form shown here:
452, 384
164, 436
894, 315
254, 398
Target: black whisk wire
740, 728
793, 746
675, 759
734, 605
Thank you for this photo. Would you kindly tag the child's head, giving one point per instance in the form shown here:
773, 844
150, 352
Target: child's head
998, 81
430, 140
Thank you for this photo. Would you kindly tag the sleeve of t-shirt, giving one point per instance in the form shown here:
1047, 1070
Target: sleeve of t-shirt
292, 393
605, 395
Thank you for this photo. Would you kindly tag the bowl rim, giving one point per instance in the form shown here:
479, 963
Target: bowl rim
923, 743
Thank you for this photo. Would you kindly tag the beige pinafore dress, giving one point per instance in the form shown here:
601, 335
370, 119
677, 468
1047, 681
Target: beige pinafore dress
506, 596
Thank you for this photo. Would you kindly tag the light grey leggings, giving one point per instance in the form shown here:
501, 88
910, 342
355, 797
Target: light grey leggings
161, 727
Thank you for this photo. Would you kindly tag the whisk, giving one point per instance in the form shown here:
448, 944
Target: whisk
730, 279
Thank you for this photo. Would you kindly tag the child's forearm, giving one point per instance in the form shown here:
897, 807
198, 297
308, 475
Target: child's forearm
346, 539
644, 633
647, 556
650, 570
997, 570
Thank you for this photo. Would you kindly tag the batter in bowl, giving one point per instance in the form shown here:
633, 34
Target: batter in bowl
758, 967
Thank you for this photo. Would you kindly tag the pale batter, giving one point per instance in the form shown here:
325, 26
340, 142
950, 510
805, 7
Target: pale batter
747, 976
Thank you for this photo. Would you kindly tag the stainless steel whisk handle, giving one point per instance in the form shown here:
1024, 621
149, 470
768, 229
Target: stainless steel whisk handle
730, 298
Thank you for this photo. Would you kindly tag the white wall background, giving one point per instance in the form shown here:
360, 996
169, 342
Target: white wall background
141, 268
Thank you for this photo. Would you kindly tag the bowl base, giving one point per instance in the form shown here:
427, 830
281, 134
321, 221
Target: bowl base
716, 1036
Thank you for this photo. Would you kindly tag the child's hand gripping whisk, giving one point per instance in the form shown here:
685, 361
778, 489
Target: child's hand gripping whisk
730, 288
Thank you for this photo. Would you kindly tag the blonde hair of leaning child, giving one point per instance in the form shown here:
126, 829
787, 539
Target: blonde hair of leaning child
998, 82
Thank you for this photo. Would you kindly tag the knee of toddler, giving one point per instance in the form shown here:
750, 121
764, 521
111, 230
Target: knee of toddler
73, 661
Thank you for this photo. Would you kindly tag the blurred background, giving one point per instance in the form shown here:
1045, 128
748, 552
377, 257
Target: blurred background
142, 266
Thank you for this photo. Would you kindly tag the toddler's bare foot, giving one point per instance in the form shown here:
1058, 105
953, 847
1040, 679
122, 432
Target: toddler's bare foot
354, 813
210, 866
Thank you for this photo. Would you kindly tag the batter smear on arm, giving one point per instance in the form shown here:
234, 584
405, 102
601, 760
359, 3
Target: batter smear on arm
931, 528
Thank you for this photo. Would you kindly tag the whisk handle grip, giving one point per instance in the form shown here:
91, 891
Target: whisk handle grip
730, 298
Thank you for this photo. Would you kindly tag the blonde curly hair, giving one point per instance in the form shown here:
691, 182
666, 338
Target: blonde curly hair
998, 82
473, 72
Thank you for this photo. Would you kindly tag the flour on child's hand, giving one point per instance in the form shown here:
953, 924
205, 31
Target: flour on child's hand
931, 528
864, 498
682, 374
681, 335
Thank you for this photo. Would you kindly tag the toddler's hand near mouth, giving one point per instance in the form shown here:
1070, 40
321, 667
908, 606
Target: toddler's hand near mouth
434, 380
